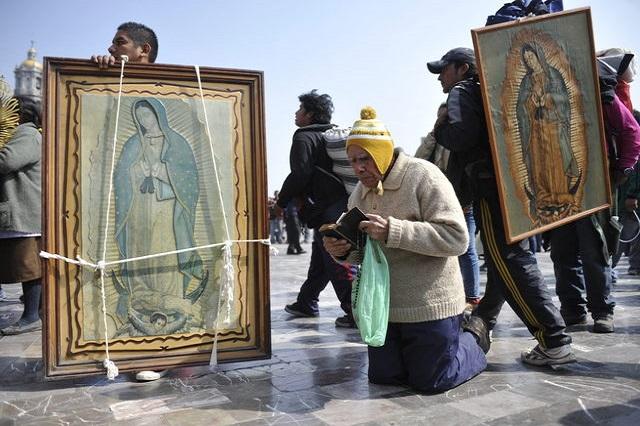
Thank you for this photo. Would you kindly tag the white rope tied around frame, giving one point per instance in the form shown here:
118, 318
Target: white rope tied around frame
103, 265
225, 300
81, 262
112, 369
227, 280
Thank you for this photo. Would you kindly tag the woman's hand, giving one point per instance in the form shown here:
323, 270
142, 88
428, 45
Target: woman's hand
335, 247
376, 227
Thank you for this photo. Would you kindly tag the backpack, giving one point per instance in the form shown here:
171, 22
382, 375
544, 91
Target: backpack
521, 8
341, 174
335, 142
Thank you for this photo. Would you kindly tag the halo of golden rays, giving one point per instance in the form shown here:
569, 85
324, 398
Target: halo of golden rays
9, 118
515, 72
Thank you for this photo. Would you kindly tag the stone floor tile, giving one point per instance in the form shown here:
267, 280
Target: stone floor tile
318, 375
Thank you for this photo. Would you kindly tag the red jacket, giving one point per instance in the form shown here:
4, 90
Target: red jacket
624, 130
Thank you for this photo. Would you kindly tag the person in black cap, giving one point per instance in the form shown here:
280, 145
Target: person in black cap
512, 271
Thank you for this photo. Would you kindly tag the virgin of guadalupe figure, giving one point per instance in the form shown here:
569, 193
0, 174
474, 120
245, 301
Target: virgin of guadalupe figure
544, 117
156, 193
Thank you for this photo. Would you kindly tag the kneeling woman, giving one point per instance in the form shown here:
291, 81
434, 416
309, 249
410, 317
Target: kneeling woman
414, 213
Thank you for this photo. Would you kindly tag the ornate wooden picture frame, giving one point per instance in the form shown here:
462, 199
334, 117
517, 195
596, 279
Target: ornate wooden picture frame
188, 170
542, 106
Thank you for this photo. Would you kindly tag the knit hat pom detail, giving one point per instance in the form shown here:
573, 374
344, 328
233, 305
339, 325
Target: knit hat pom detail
367, 113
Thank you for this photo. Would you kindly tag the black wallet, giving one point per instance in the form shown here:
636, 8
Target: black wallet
346, 228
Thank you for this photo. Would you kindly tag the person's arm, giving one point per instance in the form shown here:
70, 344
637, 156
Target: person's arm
301, 162
22, 150
442, 231
626, 131
463, 128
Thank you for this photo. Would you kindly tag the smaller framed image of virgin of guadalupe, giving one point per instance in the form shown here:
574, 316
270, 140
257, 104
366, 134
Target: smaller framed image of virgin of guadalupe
542, 106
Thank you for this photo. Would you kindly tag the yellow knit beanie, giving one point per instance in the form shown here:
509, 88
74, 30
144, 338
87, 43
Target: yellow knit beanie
374, 137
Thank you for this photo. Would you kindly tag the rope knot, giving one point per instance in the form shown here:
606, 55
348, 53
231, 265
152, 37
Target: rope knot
112, 368
101, 265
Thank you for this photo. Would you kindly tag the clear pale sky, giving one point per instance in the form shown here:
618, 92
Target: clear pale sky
360, 52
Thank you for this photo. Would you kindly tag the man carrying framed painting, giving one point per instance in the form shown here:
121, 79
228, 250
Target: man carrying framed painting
136, 41
140, 44
513, 274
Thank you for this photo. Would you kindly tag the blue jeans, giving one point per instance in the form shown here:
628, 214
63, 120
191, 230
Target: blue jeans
430, 356
469, 265
275, 230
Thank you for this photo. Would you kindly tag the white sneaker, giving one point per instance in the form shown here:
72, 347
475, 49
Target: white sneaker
553, 356
150, 376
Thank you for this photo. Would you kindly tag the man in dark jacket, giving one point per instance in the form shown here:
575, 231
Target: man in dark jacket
324, 198
513, 274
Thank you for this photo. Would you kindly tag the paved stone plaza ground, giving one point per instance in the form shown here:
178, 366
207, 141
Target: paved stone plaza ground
318, 375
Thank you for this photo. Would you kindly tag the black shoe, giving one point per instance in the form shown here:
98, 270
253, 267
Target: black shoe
291, 250
346, 321
300, 251
603, 323
570, 320
476, 326
297, 310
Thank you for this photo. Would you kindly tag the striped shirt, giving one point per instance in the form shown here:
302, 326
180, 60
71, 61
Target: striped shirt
336, 140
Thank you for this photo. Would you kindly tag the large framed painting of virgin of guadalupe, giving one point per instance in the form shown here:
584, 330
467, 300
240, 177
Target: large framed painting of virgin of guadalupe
154, 217
542, 106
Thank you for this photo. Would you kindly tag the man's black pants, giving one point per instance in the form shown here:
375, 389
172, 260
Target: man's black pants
513, 275
323, 269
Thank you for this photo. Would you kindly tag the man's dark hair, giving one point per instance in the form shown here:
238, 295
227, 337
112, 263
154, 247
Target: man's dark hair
472, 72
30, 110
141, 34
319, 106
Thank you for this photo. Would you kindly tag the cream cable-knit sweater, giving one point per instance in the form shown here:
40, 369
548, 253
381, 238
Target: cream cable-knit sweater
427, 232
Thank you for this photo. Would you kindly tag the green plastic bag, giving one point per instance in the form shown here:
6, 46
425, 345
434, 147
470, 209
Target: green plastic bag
370, 295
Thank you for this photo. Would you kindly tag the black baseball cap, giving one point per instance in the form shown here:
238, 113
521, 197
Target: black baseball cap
459, 54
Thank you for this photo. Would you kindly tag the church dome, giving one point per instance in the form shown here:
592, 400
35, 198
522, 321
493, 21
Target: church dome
31, 63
